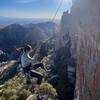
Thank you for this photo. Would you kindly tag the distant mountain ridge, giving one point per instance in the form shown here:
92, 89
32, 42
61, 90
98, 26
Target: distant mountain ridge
8, 20
17, 35
46, 27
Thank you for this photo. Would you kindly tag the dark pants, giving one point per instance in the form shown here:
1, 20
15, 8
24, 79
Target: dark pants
33, 73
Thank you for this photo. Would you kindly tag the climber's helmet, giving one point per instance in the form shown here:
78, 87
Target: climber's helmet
28, 48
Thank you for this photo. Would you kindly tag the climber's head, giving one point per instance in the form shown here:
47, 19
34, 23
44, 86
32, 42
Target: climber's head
28, 48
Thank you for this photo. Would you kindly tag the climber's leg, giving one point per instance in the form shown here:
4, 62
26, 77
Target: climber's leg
37, 65
39, 76
37, 89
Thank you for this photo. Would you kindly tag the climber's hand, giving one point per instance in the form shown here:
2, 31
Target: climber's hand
46, 73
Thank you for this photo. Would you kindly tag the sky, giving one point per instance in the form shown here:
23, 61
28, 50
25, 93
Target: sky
33, 8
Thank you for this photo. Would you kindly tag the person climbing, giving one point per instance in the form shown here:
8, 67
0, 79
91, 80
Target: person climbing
29, 66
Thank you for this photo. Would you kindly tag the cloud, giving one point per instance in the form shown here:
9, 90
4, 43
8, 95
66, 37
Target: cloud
25, 1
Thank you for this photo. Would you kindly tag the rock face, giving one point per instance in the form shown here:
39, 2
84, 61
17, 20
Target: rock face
84, 32
86, 16
80, 35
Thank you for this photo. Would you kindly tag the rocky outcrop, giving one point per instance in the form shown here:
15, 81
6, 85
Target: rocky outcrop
15, 85
64, 70
7, 71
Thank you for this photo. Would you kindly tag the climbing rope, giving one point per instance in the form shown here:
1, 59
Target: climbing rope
61, 2
52, 20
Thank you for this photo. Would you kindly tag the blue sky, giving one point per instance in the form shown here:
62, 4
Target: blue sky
32, 8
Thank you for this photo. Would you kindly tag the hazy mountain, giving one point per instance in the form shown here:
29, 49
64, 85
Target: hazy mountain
47, 27
18, 35
2, 26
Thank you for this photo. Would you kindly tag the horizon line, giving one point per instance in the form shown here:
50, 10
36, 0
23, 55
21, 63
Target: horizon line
58, 18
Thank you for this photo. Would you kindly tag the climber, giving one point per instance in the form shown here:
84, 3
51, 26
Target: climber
29, 67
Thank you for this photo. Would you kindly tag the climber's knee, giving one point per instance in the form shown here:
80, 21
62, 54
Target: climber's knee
38, 65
